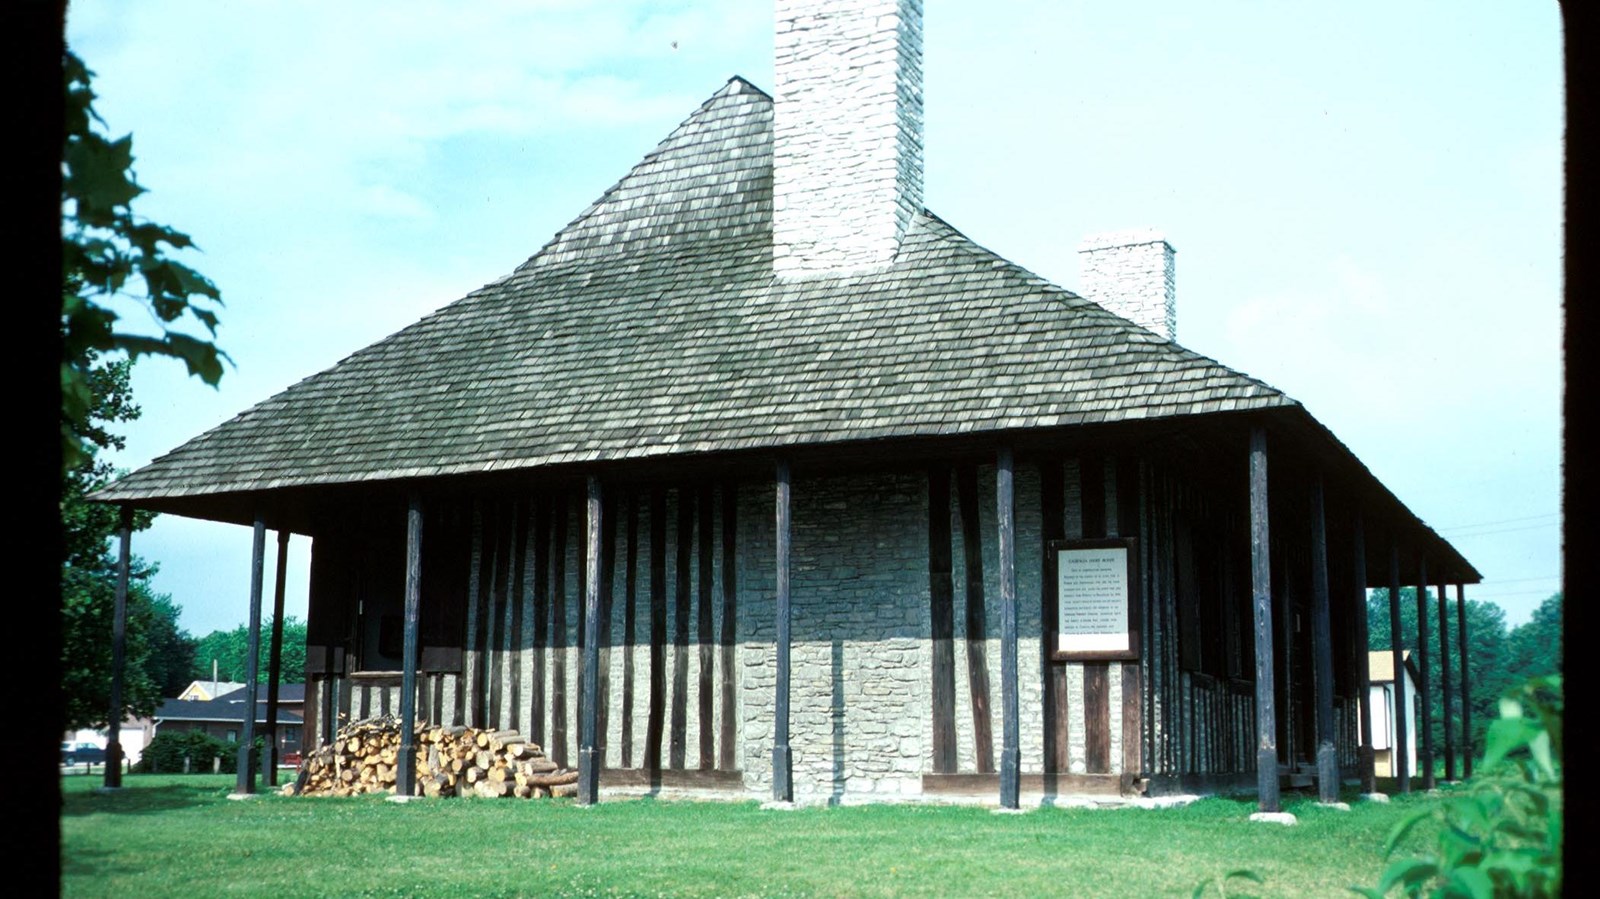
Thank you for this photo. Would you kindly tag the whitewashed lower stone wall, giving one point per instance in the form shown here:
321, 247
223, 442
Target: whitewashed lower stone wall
859, 698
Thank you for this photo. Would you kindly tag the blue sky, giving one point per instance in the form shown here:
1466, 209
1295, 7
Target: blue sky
1365, 199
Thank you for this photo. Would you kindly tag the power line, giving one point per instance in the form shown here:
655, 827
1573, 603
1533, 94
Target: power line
1466, 527
1519, 580
1530, 527
1515, 593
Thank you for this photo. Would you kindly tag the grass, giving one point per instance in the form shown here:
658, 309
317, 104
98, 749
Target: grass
174, 835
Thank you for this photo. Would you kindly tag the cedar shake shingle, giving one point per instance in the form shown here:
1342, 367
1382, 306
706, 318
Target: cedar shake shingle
653, 325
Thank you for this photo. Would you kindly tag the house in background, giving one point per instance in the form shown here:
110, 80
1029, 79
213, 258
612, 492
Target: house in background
224, 718
136, 734
208, 689
762, 478
1385, 736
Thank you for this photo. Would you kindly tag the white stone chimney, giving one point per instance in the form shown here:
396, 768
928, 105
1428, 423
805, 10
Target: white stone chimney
847, 133
1130, 273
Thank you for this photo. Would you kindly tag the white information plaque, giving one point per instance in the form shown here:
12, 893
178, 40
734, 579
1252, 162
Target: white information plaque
1093, 599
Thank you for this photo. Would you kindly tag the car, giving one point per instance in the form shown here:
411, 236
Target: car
82, 753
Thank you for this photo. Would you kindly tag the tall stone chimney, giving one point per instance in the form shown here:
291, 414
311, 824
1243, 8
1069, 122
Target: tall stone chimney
847, 133
1130, 273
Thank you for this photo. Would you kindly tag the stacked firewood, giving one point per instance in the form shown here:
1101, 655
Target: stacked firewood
451, 761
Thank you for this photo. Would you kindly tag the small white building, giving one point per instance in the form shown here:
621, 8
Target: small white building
135, 736
1381, 673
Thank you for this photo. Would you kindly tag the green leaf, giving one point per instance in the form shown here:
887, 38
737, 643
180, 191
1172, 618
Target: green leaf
1247, 874
1403, 828
1368, 892
1471, 882
1407, 872
1539, 747
1505, 737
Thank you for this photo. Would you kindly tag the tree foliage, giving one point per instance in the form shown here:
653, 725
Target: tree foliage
110, 254
1498, 658
231, 649
159, 653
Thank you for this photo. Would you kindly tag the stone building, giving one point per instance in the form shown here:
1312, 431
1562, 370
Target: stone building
782, 486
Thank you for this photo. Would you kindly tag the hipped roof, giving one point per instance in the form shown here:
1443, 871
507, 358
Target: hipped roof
652, 326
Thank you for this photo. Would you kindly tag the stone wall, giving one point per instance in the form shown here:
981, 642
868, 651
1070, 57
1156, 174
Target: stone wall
859, 699
1131, 273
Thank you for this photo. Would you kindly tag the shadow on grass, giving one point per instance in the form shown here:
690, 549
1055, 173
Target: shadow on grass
140, 797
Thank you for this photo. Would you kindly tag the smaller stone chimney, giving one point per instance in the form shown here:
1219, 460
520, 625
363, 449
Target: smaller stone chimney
1130, 273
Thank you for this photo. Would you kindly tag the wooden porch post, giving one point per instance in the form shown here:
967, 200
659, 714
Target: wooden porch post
119, 649
1261, 591
782, 771
589, 692
1363, 645
1399, 764
1425, 760
1322, 650
1010, 756
275, 658
1444, 685
246, 781
1466, 686
406, 760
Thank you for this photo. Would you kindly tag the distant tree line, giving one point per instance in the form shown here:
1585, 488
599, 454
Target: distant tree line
1498, 658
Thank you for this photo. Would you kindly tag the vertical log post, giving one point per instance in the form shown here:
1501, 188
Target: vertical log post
782, 770
1466, 687
246, 781
1010, 756
1261, 593
275, 657
656, 713
1425, 760
1399, 761
119, 648
629, 625
941, 620
1363, 669
406, 760
1322, 650
730, 612
704, 621
589, 687
1444, 685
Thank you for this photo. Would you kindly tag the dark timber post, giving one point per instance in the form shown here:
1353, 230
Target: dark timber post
1466, 688
1444, 685
1322, 650
406, 760
589, 693
246, 782
1261, 593
1399, 763
1425, 760
1363, 646
782, 782
275, 657
1010, 757
119, 649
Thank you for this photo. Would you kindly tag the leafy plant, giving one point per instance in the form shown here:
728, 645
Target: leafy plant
108, 254
1502, 836
1221, 883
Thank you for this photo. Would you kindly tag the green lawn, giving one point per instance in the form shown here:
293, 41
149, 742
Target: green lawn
171, 835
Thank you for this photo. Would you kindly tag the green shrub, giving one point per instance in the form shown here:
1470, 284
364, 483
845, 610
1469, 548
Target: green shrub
1502, 835
167, 751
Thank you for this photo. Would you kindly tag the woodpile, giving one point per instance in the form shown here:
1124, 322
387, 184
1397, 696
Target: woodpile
451, 761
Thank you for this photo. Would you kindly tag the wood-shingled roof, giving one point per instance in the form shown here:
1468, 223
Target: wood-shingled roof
652, 326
